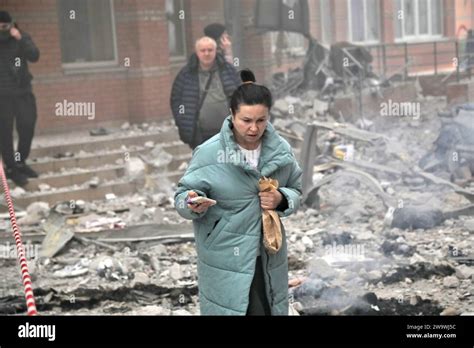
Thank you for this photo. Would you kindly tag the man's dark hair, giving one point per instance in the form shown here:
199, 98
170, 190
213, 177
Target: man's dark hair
5, 17
249, 93
214, 30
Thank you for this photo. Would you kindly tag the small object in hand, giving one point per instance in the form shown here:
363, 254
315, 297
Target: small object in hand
272, 236
200, 199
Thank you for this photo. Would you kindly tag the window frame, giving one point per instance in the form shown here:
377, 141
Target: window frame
417, 37
98, 64
183, 27
350, 33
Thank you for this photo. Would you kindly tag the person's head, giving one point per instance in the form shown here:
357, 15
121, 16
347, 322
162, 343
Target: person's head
215, 31
206, 52
6, 24
250, 105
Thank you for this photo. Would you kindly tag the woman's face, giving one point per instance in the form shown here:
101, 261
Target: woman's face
250, 122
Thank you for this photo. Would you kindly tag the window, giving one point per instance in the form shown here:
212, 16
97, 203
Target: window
87, 31
418, 18
325, 11
176, 36
364, 18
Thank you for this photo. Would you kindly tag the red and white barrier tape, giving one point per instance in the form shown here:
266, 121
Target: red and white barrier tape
30, 299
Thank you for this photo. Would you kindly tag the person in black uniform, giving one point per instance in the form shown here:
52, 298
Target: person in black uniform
17, 102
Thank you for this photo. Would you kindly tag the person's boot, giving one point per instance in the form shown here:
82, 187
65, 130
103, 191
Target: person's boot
16, 176
26, 170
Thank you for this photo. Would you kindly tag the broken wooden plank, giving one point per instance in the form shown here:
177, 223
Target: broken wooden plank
370, 167
284, 133
180, 238
18, 214
351, 132
85, 240
145, 230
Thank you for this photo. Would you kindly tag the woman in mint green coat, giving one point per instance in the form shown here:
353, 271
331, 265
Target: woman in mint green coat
236, 275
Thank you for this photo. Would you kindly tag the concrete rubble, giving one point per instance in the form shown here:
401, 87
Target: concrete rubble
388, 231
395, 256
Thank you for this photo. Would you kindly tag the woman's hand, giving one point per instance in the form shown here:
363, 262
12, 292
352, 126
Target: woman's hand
197, 207
270, 200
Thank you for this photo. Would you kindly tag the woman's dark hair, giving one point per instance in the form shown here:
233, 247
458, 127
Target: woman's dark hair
249, 93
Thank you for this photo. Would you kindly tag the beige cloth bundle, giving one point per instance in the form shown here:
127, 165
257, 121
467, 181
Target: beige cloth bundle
272, 238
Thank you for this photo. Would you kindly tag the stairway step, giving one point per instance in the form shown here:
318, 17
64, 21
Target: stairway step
104, 174
86, 194
70, 179
89, 161
177, 148
89, 194
96, 161
91, 144
178, 161
113, 172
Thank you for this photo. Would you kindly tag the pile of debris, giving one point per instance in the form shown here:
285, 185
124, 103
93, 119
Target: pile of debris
385, 229
342, 67
381, 235
86, 278
388, 227
130, 254
452, 156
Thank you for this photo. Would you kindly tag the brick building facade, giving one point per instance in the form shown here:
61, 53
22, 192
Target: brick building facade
136, 47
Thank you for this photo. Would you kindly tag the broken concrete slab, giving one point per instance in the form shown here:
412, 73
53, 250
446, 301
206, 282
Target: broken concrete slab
158, 158
464, 272
148, 232
140, 278
450, 282
36, 212
57, 235
135, 168
176, 272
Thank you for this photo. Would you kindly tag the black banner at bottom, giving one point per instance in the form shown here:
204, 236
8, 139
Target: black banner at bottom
138, 330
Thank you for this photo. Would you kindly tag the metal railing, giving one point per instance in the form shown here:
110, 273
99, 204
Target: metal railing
431, 58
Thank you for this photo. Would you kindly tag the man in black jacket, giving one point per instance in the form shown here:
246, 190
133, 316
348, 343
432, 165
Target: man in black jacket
201, 92
17, 102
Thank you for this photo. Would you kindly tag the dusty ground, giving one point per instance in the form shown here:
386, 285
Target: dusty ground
352, 262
